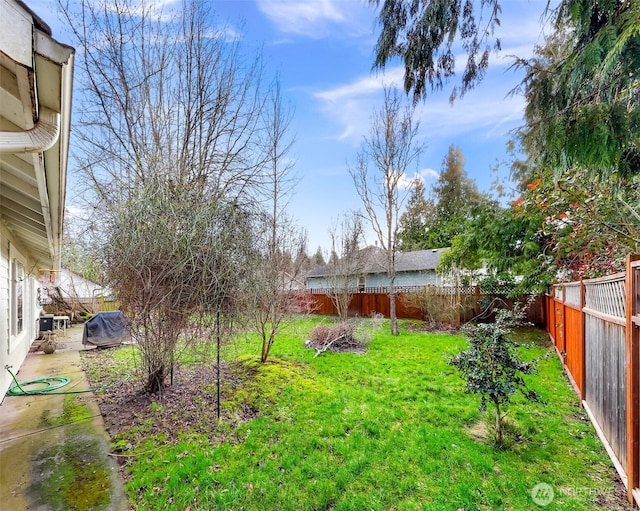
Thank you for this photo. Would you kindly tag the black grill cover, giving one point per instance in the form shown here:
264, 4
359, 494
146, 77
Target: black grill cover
106, 330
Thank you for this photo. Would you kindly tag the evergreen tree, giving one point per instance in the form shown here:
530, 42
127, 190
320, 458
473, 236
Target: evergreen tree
457, 200
423, 32
415, 221
583, 90
582, 101
318, 258
506, 243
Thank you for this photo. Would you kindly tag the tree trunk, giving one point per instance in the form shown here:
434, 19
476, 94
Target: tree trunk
155, 382
218, 343
392, 295
498, 424
392, 311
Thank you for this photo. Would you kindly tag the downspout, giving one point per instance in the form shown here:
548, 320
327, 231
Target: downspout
38, 139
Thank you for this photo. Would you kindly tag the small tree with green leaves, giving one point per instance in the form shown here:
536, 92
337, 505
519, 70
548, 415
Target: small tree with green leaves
492, 366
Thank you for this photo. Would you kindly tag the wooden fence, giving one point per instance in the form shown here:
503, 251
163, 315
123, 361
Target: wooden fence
456, 304
594, 326
365, 304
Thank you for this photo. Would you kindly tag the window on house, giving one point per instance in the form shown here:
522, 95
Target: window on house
17, 296
362, 282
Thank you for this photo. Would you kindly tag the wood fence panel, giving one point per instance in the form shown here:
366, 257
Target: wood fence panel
550, 317
467, 307
109, 305
536, 313
574, 346
559, 327
406, 311
605, 393
379, 303
356, 305
322, 304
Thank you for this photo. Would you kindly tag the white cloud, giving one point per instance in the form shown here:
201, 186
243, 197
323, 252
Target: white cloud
487, 109
308, 18
479, 110
428, 173
157, 9
226, 34
77, 212
313, 18
350, 105
405, 182
363, 86
423, 175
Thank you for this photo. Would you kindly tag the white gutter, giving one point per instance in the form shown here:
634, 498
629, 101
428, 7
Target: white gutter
65, 131
36, 140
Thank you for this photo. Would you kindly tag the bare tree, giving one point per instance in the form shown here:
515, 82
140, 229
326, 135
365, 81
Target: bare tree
279, 264
344, 270
275, 292
171, 144
165, 95
378, 174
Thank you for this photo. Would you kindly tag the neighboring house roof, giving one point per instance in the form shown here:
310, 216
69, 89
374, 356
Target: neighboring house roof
416, 261
420, 260
35, 117
73, 285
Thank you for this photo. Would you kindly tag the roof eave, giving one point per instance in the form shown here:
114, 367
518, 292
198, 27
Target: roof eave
41, 138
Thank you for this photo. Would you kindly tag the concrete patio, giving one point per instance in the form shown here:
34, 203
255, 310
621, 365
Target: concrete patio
54, 451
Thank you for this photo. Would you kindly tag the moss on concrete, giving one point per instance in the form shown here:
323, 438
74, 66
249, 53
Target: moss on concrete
71, 476
74, 409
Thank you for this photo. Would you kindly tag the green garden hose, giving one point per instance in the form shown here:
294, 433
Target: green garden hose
50, 387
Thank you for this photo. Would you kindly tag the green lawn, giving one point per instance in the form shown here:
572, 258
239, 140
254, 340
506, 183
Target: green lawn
390, 429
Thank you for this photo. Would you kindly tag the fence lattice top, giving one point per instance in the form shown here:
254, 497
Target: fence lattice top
493, 290
606, 295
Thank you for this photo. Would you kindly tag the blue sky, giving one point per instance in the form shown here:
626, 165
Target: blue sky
323, 52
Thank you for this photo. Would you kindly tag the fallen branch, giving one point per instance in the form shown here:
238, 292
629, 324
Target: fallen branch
325, 347
335, 338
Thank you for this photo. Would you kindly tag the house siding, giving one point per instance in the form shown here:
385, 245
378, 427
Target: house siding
322, 283
4, 296
317, 283
14, 348
423, 278
414, 278
413, 269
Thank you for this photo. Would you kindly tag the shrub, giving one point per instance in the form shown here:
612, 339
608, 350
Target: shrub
492, 366
440, 305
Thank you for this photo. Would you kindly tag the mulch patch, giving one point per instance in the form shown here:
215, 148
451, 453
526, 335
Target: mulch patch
187, 405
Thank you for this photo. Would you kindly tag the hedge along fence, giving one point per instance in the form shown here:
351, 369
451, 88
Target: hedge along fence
440, 304
594, 326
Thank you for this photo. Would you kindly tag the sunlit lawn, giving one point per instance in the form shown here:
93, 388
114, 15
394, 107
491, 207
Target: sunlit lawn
390, 429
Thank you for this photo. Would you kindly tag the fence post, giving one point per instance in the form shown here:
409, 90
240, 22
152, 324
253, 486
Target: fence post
632, 377
476, 300
583, 345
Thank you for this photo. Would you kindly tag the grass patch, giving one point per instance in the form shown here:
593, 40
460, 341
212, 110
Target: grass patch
390, 429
